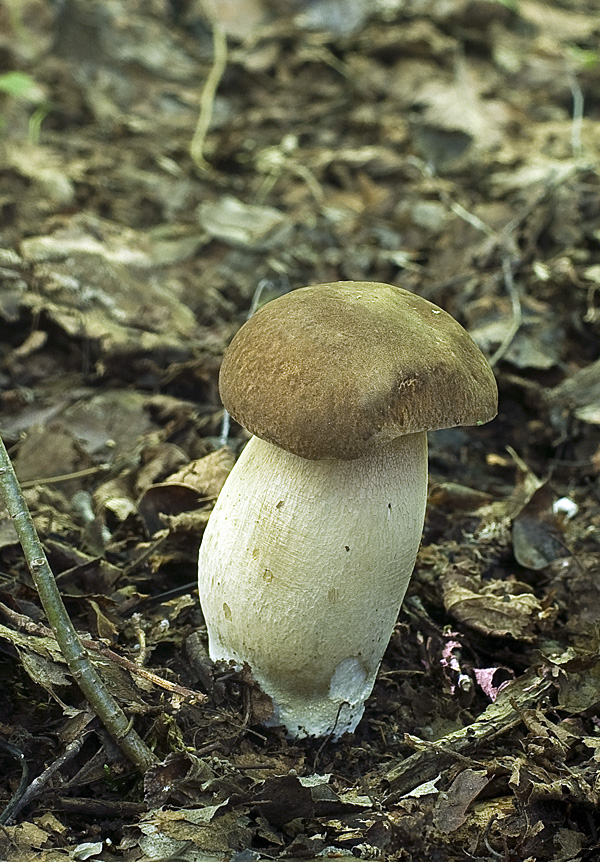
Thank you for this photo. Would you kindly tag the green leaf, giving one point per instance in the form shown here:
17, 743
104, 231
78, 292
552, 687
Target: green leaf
20, 85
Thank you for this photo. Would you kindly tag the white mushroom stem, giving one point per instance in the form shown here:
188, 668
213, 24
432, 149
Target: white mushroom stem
302, 571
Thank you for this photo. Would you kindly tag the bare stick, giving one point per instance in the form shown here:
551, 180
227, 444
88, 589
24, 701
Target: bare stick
517, 314
207, 99
431, 758
38, 784
27, 625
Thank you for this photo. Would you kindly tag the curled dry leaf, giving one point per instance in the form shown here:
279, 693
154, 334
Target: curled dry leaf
184, 492
494, 608
181, 775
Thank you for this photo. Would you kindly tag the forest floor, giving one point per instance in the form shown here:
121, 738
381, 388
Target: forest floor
452, 148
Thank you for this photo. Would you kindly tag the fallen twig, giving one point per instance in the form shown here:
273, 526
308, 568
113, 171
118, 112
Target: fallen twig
29, 626
38, 784
500, 717
207, 99
7, 814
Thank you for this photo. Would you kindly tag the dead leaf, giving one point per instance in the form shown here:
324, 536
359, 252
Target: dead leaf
451, 807
246, 225
537, 539
494, 608
176, 501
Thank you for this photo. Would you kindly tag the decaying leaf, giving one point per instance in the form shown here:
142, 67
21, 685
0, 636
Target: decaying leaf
451, 807
236, 223
213, 829
190, 488
495, 608
96, 286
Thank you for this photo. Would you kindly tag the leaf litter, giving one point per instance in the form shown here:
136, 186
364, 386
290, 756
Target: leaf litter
450, 148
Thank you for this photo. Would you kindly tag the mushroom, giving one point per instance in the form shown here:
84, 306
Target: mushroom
310, 547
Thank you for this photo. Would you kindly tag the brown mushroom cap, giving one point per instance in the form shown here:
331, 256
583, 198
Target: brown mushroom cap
329, 371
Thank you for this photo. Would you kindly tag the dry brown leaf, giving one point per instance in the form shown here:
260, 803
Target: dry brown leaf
494, 608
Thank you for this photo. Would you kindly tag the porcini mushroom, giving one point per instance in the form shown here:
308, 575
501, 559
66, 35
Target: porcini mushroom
311, 544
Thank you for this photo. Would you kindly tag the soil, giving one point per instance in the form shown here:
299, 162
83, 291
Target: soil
164, 168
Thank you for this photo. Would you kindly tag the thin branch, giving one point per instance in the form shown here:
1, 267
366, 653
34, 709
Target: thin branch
207, 99
11, 809
503, 715
38, 784
38, 629
517, 313
577, 117
84, 673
